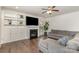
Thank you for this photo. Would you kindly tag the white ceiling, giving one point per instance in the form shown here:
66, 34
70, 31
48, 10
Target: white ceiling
37, 10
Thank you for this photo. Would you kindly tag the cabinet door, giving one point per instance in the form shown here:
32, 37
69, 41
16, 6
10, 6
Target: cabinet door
21, 33
5, 35
13, 34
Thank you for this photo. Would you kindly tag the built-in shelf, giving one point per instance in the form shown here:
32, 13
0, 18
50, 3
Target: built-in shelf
14, 21
13, 25
8, 16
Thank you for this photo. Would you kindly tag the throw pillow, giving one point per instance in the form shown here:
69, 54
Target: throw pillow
73, 45
63, 41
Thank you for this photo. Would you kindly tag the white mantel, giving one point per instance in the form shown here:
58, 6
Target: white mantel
32, 27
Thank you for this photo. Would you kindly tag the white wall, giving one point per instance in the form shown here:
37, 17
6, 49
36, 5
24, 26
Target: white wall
69, 21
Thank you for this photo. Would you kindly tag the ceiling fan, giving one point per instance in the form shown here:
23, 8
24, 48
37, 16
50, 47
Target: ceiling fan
49, 10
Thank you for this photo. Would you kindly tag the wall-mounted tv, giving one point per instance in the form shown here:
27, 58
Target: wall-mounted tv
31, 21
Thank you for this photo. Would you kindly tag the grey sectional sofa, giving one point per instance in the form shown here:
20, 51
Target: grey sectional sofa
51, 44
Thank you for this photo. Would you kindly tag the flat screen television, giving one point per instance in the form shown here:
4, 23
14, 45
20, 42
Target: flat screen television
31, 21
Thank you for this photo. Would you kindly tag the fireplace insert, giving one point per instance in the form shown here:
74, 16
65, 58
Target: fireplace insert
33, 33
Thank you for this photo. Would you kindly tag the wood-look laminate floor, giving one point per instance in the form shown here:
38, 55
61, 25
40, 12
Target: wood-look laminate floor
23, 46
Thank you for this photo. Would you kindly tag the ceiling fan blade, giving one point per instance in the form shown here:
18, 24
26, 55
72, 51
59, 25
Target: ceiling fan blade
44, 9
53, 6
55, 10
44, 12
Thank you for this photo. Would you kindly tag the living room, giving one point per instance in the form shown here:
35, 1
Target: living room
19, 32
51, 33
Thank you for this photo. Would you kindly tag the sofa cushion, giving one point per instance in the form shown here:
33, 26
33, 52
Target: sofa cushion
55, 36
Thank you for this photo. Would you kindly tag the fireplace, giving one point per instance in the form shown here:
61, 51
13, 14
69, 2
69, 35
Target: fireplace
33, 33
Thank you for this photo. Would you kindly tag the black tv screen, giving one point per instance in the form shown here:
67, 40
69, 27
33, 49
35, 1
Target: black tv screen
31, 21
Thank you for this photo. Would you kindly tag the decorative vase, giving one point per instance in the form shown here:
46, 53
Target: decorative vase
45, 33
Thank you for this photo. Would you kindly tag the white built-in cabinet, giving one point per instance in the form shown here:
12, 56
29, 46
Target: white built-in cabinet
14, 31
14, 34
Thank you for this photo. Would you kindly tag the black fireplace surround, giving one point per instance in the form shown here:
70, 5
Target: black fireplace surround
33, 33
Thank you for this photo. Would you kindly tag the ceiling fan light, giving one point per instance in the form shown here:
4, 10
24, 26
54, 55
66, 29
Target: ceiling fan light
49, 12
